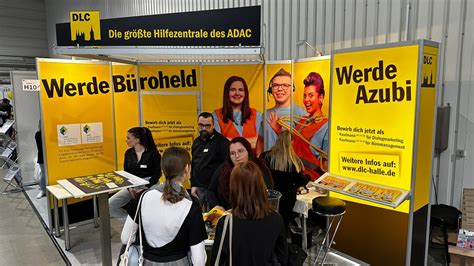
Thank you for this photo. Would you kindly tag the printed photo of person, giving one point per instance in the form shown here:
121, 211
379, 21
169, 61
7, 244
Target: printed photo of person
311, 134
279, 88
236, 118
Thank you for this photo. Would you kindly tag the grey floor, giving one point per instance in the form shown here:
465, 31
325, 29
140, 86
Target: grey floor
85, 239
23, 240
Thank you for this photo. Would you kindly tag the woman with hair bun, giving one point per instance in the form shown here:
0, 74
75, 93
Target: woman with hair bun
171, 221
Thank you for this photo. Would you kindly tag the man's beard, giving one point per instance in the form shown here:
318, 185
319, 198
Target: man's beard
204, 135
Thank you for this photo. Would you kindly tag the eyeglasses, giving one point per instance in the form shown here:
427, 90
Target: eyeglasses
284, 86
206, 126
239, 152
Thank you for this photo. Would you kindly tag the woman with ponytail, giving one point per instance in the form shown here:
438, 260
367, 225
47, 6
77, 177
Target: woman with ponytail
171, 220
141, 159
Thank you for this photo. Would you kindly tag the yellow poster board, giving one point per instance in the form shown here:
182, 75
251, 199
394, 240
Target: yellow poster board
277, 100
126, 110
424, 155
373, 116
226, 86
76, 103
312, 91
170, 112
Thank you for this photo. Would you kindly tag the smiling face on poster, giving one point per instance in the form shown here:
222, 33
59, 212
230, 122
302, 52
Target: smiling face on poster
278, 101
234, 96
311, 111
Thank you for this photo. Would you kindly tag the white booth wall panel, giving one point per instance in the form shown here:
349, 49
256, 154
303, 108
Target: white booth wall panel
27, 115
328, 25
23, 28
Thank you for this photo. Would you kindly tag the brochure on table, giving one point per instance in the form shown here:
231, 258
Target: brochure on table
375, 193
101, 183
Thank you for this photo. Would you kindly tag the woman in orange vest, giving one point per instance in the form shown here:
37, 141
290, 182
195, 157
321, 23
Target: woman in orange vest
311, 143
236, 118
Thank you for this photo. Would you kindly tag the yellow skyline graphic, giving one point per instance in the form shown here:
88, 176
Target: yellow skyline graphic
85, 25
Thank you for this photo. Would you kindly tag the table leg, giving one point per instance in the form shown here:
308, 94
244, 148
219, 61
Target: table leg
56, 218
50, 218
105, 229
96, 214
66, 225
304, 245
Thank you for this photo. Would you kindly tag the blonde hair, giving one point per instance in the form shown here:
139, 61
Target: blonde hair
282, 155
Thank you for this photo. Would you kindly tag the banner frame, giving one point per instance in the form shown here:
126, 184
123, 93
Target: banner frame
421, 43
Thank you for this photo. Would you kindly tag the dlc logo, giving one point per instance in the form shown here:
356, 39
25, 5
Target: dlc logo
85, 26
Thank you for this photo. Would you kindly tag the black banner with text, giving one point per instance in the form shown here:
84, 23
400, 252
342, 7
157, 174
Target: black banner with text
222, 27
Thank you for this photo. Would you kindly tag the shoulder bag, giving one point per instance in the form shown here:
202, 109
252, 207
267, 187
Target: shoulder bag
133, 254
228, 220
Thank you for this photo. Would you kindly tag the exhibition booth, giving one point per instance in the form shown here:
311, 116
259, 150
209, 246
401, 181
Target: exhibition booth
373, 121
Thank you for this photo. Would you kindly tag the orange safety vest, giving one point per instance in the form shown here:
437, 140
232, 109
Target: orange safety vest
249, 130
302, 149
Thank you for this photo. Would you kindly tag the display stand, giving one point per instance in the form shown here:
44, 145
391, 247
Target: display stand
382, 115
8, 156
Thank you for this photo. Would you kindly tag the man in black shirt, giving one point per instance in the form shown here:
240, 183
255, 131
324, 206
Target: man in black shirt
209, 151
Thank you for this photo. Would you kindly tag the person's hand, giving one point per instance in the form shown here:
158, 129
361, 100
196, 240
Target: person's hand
273, 122
194, 192
219, 207
135, 192
302, 190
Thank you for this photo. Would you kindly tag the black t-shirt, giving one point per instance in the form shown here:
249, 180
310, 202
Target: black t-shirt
214, 193
192, 232
207, 156
148, 166
254, 242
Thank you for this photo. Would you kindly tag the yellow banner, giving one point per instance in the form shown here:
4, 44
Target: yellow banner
427, 108
170, 116
171, 112
215, 76
79, 139
183, 142
370, 165
125, 108
215, 96
311, 98
373, 113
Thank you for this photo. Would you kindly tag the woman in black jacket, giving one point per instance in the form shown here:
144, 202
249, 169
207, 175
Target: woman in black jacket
258, 233
240, 151
287, 173
141, 159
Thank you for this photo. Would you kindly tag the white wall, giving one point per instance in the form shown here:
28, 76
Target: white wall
330, 24
27, 115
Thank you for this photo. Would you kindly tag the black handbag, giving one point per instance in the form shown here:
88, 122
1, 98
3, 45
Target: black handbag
296, 255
